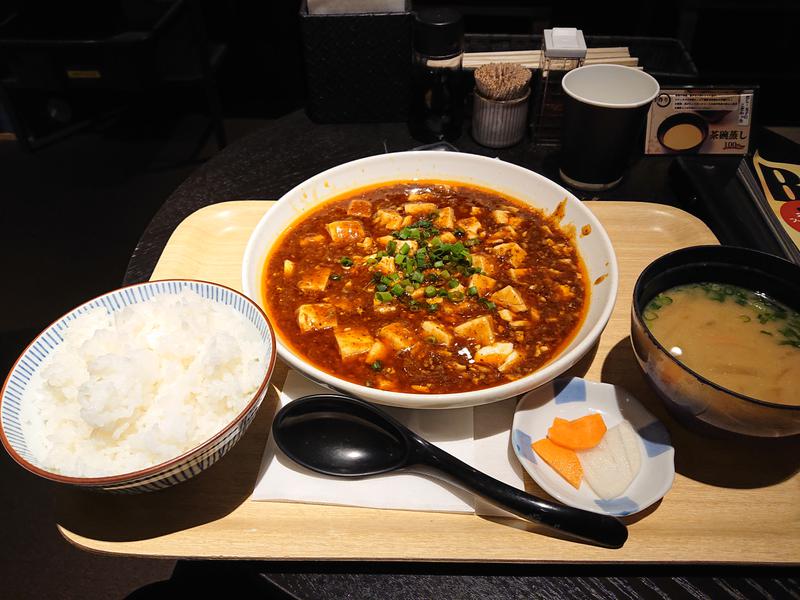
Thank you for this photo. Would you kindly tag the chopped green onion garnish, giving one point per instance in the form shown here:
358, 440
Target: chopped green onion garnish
455, 296
334, 277
376, 366
438, 264
417, 276
346, 261
453, 283
391, 247
397, 289
442, 293
430, 291
381, 287
405, 248
383, 296
399, 259
472, 290
445, 274
433, 307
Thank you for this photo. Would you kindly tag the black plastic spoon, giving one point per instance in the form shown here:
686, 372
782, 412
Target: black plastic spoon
336, 435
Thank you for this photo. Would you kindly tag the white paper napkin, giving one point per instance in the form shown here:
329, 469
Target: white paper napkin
479, 437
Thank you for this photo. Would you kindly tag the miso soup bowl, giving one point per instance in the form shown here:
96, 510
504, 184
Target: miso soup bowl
690, 397
505, 178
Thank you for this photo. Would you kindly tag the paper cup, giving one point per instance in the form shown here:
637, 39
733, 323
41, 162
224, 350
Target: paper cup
604, 112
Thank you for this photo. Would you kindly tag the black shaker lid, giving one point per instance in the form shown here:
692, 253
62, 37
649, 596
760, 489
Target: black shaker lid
438, 31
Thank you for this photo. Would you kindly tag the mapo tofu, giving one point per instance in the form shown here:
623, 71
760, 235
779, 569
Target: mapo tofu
426, 287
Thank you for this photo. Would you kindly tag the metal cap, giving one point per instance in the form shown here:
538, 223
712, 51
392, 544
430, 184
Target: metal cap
438, 32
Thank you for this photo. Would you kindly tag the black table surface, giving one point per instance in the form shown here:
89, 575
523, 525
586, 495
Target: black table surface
268, 163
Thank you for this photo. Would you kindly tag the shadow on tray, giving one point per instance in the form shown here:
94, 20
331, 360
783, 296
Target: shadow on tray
207, 497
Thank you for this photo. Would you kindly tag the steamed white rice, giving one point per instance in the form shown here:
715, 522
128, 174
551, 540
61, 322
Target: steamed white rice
135, 388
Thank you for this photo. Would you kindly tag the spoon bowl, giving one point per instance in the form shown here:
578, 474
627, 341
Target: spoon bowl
346, 437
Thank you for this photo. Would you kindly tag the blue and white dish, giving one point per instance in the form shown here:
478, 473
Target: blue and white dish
158, 476
574, 398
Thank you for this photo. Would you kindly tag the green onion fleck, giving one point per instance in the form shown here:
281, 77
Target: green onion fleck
453, 283
346, 261
430, 291
472, 290
383, 296
397, 289
376, 366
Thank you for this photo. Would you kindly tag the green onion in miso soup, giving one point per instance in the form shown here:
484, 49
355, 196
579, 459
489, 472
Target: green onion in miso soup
736, 338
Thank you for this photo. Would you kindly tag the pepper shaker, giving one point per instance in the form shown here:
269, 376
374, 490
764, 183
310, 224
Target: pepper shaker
437, 103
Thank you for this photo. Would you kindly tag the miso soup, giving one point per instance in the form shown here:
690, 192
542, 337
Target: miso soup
738, 339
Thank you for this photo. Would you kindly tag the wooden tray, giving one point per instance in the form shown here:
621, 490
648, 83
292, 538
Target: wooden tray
733, 501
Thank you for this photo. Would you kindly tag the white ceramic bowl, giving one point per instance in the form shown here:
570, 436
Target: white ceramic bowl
159, 476
506, 178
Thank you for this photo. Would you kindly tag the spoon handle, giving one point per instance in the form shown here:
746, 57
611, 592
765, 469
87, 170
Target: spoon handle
602, 530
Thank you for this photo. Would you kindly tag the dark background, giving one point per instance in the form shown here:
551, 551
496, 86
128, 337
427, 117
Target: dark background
73, 209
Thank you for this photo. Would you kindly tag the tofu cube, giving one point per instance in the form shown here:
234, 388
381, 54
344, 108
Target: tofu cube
506, 232
471, 225
344, 232
494, 354
435, 331
479, 329
383, 308
378, 351
446, 218
500, 217
288, 268
312, 240
359, 208
564, 292
505, 314
448, 238
385, 265
412, 246
484, 263
511, 252
535, 315
483, 283
419, 208
511, 361
397, 336
316, 317
509, 298
388, 219
353, 341
315, 280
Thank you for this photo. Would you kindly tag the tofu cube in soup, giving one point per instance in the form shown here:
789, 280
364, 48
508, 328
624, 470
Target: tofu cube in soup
386, 265
446, 218
511, 361
288, 268
353, 341
511, 252
482, 283
344, 232
509, 298
419, 208
315, 280
471, 225
494, 354
359, 208
387, 219
397, 336
378, 351
312, 240
480, 329
500, 216
436, 333
316, 317
484, 263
